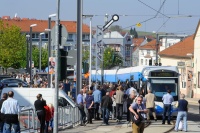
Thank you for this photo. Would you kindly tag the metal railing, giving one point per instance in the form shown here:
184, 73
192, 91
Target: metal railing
68, 117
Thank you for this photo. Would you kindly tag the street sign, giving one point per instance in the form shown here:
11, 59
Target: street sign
181, 64
64, 35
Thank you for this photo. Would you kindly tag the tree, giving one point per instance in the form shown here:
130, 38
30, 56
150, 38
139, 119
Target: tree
135, 34
131, 31
12, 47
44, 57
111, 58
115, 28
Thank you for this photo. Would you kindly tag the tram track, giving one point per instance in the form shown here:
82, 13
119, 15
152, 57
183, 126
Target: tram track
171, 129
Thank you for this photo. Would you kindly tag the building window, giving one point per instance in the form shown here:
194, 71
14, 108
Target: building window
33, 35
46, 35
142, 53
86, 36
148, 52
141, 61
36, 35
145, 61
183, 84
70, 37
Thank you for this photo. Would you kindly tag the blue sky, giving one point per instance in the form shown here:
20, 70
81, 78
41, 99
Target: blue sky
172, 17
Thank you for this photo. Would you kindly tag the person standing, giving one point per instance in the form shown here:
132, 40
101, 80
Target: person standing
4, 97
137, 109
106, 105
97, 101
182, 112
119, 103
40, 110
10, 109
81, 107
167, 101
48, 117
89, 105
150, 104
130, 100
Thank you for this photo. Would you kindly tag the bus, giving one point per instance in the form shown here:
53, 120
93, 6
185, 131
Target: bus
156, 78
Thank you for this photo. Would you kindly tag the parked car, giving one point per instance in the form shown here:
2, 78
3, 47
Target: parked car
4, 76
13, 82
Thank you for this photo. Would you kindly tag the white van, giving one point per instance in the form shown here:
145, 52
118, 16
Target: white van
27, 96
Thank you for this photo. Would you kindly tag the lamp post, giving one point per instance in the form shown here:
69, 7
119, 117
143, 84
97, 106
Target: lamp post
40, 50
191, 86
49, 47
27, 53
90, 64
30, 66
131, 51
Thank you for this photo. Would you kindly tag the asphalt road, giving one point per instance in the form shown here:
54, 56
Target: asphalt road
193, 114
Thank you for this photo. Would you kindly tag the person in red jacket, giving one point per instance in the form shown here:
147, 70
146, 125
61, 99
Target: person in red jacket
52, 115
48, 117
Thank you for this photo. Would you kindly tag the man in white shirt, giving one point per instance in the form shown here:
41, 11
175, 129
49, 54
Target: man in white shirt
10, 108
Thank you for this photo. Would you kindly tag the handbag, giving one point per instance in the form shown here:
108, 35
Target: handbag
135, 120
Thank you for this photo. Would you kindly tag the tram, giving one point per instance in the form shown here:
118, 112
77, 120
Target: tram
156, 78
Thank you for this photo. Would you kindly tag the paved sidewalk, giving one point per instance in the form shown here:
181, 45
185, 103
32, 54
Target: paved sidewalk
97, 127
192, 101
155, 127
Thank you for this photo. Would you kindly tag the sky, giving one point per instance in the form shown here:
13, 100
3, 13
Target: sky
171, 16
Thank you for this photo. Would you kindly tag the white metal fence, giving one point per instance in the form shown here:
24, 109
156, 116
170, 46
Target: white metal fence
68, 117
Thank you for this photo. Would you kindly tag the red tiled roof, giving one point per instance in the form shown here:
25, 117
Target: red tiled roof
180, 49
24, 24
150, 45
137, 41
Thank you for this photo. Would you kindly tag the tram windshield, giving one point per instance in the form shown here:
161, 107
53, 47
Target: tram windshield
160, 86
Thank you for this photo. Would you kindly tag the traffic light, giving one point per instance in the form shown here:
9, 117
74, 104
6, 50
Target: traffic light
60, 34
63, 64
85, 67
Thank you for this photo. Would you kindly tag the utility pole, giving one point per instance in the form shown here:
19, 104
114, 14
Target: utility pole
79, 46
157, 45
56, 89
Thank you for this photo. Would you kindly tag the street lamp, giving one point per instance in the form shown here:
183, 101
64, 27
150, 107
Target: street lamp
49, 46
27, 53
30, 66
132, 45
90, 65
40, 50
190, 91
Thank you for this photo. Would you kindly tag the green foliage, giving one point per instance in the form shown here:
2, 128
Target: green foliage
111, 58
86, 55
12, 47
35, 57
115, 28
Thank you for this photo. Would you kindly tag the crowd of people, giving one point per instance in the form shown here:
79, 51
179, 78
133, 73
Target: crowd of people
114, 100
97, 102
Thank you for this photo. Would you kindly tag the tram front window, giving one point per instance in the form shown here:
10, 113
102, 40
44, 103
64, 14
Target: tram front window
160, 88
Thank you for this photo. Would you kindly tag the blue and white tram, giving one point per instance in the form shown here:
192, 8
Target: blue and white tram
156, 78
159, 79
